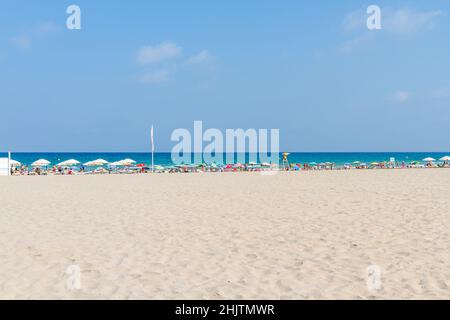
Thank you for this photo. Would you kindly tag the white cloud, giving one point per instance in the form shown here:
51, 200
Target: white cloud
22, 42
402, 21
409, 22
166, 56
155, 76
199, 58
355, 20
401, 96
38, 31
352, 44
43, 29
442, 93
160, 52
398, 22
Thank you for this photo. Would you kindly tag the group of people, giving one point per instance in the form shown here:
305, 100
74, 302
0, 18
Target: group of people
25, 170
59, 170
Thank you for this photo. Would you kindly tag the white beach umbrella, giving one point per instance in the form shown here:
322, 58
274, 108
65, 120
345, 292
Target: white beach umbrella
14, 163
101, 161
68, 163
429, 159
446, 158
40, 163
126, 162
96, 163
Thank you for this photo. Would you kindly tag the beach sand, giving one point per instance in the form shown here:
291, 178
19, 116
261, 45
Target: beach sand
307, 235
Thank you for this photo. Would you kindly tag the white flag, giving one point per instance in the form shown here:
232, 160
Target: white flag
151, 138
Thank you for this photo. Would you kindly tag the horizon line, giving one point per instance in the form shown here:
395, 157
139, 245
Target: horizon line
156, 152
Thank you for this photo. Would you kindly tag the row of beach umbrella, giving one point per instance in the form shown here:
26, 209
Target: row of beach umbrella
73, 162
130, 162
429, 159
445, 159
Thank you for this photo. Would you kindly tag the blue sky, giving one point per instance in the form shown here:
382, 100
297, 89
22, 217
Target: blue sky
310, 68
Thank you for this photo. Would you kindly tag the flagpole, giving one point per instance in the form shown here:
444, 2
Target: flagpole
153, 148
9, 163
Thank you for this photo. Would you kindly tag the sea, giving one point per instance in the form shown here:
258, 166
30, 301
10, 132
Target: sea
165, 158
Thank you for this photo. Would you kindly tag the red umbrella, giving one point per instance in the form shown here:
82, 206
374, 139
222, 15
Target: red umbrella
140, 165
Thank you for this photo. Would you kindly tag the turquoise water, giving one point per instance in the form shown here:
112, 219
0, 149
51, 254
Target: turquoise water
164, 158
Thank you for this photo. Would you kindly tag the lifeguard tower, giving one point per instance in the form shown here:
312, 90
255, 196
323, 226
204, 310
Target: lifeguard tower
285, 162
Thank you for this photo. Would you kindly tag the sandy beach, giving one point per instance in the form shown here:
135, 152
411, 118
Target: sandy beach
307, 235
